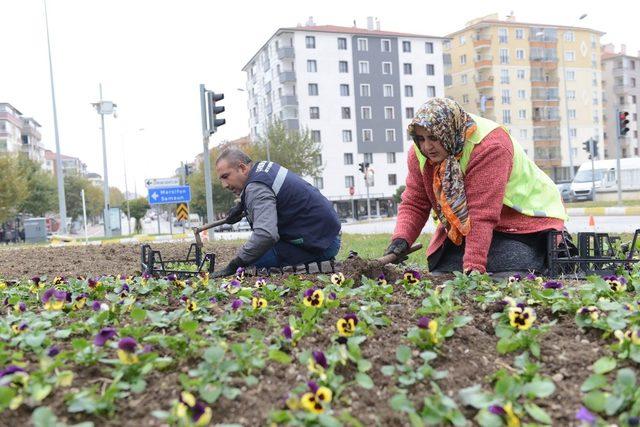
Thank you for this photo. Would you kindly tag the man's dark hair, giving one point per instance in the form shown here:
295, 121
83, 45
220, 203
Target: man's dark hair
234, 156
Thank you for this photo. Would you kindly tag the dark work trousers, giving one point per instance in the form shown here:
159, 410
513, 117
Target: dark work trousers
508, 252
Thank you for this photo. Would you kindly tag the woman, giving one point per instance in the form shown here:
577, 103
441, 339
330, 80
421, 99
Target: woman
495, 206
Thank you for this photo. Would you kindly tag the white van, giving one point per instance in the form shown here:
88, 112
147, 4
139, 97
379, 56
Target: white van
195, 220
604, 176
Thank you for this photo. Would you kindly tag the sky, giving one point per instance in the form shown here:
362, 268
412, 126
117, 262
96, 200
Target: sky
151, 56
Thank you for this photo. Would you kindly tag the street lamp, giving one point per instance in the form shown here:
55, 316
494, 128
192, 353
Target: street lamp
105, 107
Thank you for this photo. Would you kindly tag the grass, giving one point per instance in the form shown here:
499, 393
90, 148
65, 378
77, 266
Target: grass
372, 246
601, 204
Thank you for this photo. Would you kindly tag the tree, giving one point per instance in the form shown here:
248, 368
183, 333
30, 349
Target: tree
397, 197
138, 208
41, 188
116, 198
13, 187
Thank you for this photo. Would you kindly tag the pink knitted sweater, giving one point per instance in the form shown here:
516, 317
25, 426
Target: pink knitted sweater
484, 182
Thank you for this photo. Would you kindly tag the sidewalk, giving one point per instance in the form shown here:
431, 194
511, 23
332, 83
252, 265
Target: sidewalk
610, 211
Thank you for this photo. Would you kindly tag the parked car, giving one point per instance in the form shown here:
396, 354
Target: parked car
565, 191
223, 227
242, 225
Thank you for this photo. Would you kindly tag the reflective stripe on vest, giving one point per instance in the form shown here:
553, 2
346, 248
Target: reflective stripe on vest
529, 190
279, 180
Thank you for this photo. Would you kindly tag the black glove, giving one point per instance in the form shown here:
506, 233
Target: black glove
229, 270
397, 247
235, 214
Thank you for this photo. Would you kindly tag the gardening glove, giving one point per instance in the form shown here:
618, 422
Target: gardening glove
229, 270
235, 214
397, 247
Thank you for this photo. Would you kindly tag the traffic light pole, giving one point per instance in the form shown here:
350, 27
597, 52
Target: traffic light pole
366, 182
207, 161
619, 181
592, 150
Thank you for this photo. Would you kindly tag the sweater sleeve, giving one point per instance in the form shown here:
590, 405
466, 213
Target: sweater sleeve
414, 210
485, 185
262, 209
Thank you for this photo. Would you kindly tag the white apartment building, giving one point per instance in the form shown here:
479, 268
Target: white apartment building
19, 133
356, 91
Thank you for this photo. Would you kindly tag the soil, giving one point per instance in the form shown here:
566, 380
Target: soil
470, 356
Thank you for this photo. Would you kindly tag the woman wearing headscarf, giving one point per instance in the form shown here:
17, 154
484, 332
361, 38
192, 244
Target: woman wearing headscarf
495, 206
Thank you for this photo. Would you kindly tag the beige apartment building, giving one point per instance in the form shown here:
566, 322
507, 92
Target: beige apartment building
543, 82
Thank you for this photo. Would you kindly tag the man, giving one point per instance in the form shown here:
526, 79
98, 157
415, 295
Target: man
292, 222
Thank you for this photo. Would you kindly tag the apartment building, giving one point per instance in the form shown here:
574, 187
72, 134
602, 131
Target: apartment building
543, 82
355, 90
19, 133
70, 165
620, 93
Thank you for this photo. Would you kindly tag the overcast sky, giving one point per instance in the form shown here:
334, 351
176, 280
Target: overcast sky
151, 55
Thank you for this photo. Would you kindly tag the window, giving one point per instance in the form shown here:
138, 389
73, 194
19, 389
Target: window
310, 42
313, 89
365, 112
519, 33
368, 158
365, 90
523, 134
348, 181
406, 46
465, 99
571, 94
387, 90
430, 70
346, 136
431, 91
504, 75
504, 56
343, 67
317, 160
520, 54
463, 59
385, 45
342, 43
346, 112
503, 35
312, 66
408, 112
407, 68
392, 178
344, 90
386, 68
506, 117
390, 135
463, 79
318, 182
367, 135
363, 44
520, 74
573, 132
408, 91
462, 40
571, 75
363, 67
389, 113
315, 136
572, 114
569, 36
348, 158
314, 112
522, 114
428, 47
522, 94
569, 55
506, 98
391, 157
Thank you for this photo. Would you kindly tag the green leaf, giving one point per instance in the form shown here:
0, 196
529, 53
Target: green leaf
460, 321
327, 420
138, 314
79, 344
44, 417
214, 354
537, 413
626, 378
364, 365
400, 403
535, 349
475, 396
35, 340
388, 370
40, 391
62, 333
612, 404
364, 380
415, 420
210, 392
595, 400
403, 354
138, 386
539, 388
604, 364
593, 382
487, 419
279, 356
189, 326
231, 392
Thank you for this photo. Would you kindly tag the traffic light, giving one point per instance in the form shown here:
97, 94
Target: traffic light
214, 122
595, 148
623, 122
361, 167
586, 146
188, 169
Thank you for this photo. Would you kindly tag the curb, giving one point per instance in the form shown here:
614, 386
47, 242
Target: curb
611, 211
127, 240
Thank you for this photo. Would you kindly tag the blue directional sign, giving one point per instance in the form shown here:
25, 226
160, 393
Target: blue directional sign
166, 195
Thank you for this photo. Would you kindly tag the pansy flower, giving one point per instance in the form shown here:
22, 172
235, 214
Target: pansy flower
190, 305
412, 276
521, 318
59, 280
430, 325
233, 286
19, 328
260, 282
313, 297
20, 307
127, 351
507, 413
439, 288
240, 273
236, 304
93, 283
213, 301
318, 364
53, 351
552, 284
54, 299
515, 278
584, 415
632, 335
346, 325
617, 284
591, 311
79, 302
315, 400
337, 279
287, 332
382, 280
258, 303
508, 301
103, 336
189, 406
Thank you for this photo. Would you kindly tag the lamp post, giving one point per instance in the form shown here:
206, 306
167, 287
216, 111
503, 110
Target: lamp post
62, 204
105, 107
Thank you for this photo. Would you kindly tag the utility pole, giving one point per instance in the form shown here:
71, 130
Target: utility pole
210, 123
592, 149
105, 107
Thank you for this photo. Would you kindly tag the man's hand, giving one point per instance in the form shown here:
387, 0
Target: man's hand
229, 270
397, 247
235, 214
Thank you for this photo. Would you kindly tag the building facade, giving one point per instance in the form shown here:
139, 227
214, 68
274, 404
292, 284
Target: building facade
543, 82
70, 165
621, 92
355, 90
19, 133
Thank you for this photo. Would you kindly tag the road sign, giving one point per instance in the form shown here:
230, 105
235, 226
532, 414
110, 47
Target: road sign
161, 182
165, 195
182, 212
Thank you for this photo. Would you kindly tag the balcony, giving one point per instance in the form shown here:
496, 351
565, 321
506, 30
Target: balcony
287, 77
269, 109
483, 61
289, 100
286, 53
291, 124
267, 87
481, 41
550, 82
618, 89
484, 82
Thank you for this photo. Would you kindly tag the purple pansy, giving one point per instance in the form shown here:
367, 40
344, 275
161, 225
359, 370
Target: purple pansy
103, 336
